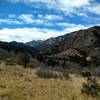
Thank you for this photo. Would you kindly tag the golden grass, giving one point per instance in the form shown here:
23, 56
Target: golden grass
27, 86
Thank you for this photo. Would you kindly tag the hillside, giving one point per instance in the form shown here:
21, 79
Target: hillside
33, 43
87, 41
18, 47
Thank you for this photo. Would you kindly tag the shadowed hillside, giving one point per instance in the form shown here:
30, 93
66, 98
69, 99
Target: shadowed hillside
18, 47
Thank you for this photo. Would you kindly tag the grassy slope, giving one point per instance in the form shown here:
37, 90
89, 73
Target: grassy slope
17, 83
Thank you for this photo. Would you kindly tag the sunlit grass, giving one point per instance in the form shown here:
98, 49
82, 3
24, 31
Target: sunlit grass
17, 83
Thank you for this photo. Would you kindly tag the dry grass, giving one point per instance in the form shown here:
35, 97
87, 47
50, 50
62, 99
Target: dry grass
17, 83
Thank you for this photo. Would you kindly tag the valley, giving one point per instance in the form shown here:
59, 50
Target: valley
62, 68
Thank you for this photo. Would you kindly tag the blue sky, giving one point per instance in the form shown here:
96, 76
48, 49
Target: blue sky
26, 20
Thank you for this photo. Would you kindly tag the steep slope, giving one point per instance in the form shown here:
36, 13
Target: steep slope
51, 42
48, 43
87, 40
83, 40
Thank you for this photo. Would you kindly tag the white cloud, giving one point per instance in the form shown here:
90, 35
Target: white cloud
28, 34
67, 6
44, 20
25, 34
53, 17
95, 9
74, 27
70, 5
40, 16
9, 21
27, 18
50, 17
65, 24
82, 14
61, 3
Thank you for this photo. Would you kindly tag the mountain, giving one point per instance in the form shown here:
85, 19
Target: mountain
41, 45
87, 41
17, 47
48, 43
33, 43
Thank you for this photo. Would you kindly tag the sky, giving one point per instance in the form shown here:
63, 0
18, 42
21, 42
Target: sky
27, 20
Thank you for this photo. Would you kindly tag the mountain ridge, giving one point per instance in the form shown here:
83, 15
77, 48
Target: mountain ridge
87, 40
17, 47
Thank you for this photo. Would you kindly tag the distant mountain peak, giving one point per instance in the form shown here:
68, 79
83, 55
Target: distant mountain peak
33, 43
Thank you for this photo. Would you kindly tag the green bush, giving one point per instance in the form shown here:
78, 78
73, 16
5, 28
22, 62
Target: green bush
91, 88
86, 73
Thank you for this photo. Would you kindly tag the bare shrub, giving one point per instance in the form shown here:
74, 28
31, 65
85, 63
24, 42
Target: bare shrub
50, 73
10, 61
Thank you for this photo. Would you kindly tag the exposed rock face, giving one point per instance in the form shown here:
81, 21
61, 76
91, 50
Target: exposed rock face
71, 52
